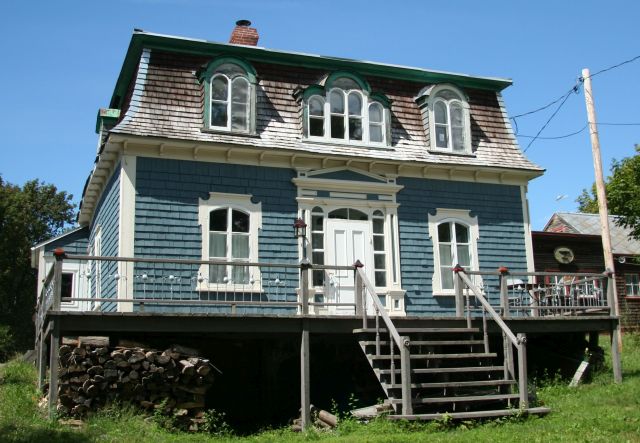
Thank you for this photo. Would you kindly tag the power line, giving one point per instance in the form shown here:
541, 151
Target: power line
571, 134
631, 60
548, 121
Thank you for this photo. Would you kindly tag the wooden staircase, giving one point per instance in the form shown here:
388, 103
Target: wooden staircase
452, 372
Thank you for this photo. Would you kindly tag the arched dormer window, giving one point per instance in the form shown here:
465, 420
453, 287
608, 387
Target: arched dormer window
230, 90
344, 109
446, 111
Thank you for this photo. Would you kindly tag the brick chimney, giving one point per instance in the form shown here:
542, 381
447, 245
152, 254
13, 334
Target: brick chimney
244, 35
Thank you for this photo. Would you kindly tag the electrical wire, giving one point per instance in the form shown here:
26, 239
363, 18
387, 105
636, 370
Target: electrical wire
549, 119
631, 60
571, 134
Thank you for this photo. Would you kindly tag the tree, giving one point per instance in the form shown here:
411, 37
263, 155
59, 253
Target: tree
622, 188
28, 215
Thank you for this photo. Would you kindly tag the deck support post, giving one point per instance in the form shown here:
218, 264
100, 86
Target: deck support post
359, 296
405, 362
504, 292
305, 379
458, 286
54, 351
42, 364
57, 278
522, 371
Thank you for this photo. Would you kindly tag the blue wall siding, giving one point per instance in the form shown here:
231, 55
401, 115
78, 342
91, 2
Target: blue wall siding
107, 215
167, 221
74, 243
501, 242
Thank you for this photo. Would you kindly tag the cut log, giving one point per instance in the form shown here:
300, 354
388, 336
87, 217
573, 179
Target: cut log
93, 340
328, 418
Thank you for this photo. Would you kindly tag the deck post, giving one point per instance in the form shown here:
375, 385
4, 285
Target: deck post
405, 362
42, 365
504, 291
522, 371
54, 351
458, 286
57, 278
359, 296
615, 332
305, 388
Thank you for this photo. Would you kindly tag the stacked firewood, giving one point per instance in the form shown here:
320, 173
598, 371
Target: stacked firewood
173, 382
322, 420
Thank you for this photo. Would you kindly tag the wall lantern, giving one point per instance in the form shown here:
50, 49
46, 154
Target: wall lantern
299, 228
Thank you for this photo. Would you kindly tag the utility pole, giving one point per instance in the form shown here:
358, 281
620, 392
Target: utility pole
602, 209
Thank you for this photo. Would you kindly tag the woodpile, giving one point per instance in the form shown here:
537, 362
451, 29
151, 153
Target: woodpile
322, 420
172, 382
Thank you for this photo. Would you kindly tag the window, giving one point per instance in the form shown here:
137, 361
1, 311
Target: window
230, 224
632, 284
454, 234
67, 285
448, 116
344, 109
229, 86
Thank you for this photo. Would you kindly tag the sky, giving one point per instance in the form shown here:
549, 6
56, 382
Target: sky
61, 59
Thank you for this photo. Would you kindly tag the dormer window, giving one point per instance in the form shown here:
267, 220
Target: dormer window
446, 111
345, 110
229, 85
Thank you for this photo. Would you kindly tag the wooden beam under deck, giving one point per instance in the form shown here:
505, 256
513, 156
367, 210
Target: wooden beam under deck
87, 323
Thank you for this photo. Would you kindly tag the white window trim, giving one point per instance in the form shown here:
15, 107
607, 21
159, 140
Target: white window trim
364, 118
633, 284
466, 118
444, 215
221, 200
229, 102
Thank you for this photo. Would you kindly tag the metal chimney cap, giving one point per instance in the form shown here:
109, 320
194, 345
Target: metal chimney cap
243, 23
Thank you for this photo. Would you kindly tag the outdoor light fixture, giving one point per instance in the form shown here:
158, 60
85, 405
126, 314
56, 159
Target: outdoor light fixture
299, 228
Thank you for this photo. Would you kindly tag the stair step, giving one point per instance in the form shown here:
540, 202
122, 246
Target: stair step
420, 330
472, 414
447, 370
428, 342
438, 356
459, 399
453, 384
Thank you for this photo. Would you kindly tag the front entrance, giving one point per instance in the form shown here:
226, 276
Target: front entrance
347, 241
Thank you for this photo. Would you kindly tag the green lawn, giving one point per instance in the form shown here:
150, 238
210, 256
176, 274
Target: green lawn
601, 411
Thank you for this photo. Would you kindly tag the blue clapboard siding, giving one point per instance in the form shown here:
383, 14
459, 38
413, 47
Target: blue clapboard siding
107, 216
501, 242
75, 242
167, 194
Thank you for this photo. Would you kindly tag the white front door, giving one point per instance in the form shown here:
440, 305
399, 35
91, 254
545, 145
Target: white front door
347, 241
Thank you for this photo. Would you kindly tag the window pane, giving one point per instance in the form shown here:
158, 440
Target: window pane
444, 232
447, 278
217, 245
379, 261
219, 89
355, 128
217, 273
456, 114
239, 246
240, 90
230, 69
316, 106
239, 221
440, 112
218, 114
375, 133
67, 285
463, 256
355, 104
337, 126
441, 137
354, 214
457, 139
378, 243
316, 223
336, 99
318, 258
375, 113
218, 220
318, 278
239, 113
378, 226
342, 213
317, 241
345, 83
462, 233
381, 278
316, 127
445, 256
240, 274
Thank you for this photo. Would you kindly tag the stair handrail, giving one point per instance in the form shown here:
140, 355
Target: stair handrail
518, 341
403, 343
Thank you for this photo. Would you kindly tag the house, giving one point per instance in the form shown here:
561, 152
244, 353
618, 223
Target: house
581, 234
246, 188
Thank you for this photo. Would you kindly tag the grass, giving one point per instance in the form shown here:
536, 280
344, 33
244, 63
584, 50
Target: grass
597, 412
